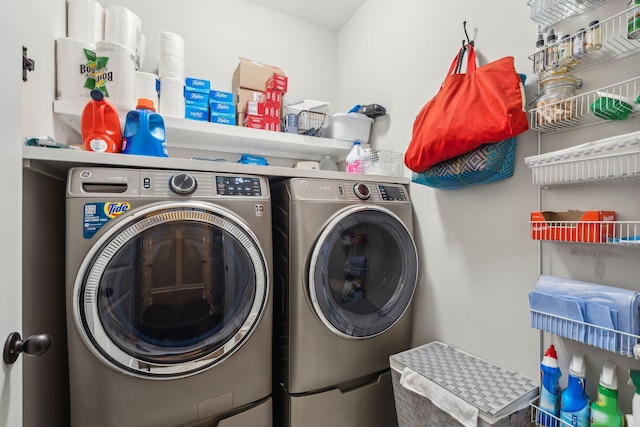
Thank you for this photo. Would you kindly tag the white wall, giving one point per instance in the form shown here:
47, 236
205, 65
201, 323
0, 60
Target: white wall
477, 263
217, 32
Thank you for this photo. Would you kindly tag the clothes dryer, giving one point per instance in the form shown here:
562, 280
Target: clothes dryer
346, 268
169, 307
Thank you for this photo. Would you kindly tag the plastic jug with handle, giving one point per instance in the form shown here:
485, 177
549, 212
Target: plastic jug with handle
100, 125
144, 132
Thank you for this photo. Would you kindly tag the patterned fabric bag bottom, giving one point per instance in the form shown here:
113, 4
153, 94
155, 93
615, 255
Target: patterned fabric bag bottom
487, 163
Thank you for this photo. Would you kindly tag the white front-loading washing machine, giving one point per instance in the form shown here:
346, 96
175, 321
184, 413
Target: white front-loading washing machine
169, 315
345, 271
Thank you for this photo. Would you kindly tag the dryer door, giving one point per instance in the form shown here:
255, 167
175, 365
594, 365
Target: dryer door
363, 272
171, 290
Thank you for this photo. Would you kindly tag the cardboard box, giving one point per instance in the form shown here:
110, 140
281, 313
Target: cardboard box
220, 96
255, 122
273, 97
573, 226
223, 119
253, 108
197, 85
222, 107
277, 82
196, 98
196, 112
253, 75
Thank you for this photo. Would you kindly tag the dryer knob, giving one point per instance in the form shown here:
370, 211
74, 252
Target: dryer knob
183, 184
362, 191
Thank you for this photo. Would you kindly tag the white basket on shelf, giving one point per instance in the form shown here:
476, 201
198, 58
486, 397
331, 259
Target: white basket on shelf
615, 158
383, 162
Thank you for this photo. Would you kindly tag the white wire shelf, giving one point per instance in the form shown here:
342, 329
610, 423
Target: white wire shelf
619, 342
610, 159
548, 420
623, 233
614, 43
549, 12
590, 108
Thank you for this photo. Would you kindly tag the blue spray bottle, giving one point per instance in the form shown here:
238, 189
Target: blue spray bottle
549, 390
574, 403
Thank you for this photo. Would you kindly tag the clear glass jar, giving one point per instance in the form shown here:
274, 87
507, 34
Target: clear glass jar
555, 103
579, 43
593, 39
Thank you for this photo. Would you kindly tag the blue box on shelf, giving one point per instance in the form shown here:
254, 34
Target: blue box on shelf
197, 85
223, 119
196, 112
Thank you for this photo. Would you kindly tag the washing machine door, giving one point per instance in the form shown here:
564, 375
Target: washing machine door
170, 290
363, 272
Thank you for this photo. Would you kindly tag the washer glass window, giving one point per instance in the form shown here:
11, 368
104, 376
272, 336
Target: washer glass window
363, 272
174, 287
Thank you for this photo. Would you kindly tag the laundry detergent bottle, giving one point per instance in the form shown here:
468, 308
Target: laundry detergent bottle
549, 390
355, 159
100, 125
605, 411
144, 132
633, 419
574, 403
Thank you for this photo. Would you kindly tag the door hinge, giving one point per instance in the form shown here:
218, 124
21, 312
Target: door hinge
28, 64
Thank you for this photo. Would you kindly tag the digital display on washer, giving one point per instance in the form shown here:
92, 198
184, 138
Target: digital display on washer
238, 186
389, 192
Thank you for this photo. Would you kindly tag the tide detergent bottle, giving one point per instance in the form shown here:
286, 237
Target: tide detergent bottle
605, 411
100, 125
633, 419
144, 132
574, 403
549, 390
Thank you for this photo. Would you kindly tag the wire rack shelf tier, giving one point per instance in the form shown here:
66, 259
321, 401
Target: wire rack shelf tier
610, 159
549, 12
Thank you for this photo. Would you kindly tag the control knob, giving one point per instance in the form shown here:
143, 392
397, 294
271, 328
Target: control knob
183, 184
362, 191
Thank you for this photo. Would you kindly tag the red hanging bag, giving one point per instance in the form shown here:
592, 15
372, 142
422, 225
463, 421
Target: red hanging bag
483, 105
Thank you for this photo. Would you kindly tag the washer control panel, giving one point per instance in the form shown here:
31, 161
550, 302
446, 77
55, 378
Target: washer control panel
316, 189
238, 186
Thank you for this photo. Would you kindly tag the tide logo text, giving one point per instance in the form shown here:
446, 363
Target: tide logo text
113, 209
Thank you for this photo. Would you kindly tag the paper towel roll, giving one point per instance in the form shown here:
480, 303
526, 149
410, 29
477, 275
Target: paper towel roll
171, 44
116, 74
172, 66
75, 69
85, 20
147, 86
171, 97
124, 27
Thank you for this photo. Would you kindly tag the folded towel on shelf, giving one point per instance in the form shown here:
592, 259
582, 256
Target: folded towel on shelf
570, 310
623, 306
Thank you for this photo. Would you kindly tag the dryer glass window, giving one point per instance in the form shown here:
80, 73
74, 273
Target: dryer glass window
363, 273
176, 291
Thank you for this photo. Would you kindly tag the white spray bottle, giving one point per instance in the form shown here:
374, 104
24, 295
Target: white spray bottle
633, 419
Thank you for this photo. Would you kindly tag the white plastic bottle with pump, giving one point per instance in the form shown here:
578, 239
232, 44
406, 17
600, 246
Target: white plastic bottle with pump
355, 159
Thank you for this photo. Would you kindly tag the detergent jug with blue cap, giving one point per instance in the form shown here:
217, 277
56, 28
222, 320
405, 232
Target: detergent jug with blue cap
144, 132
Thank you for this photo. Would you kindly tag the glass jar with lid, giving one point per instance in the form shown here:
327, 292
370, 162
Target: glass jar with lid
555, 103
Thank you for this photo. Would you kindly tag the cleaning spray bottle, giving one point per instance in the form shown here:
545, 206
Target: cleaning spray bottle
605, 411
633, 419
574, 403
549, 392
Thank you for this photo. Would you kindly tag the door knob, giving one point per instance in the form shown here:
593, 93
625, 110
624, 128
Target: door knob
35, 345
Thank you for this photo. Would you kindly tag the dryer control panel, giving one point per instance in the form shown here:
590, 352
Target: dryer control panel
316, 189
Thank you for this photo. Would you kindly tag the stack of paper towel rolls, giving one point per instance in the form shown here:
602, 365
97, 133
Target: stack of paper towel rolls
172, 73
75, 54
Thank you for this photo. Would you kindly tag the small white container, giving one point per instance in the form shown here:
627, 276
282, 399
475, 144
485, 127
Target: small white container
349, 127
